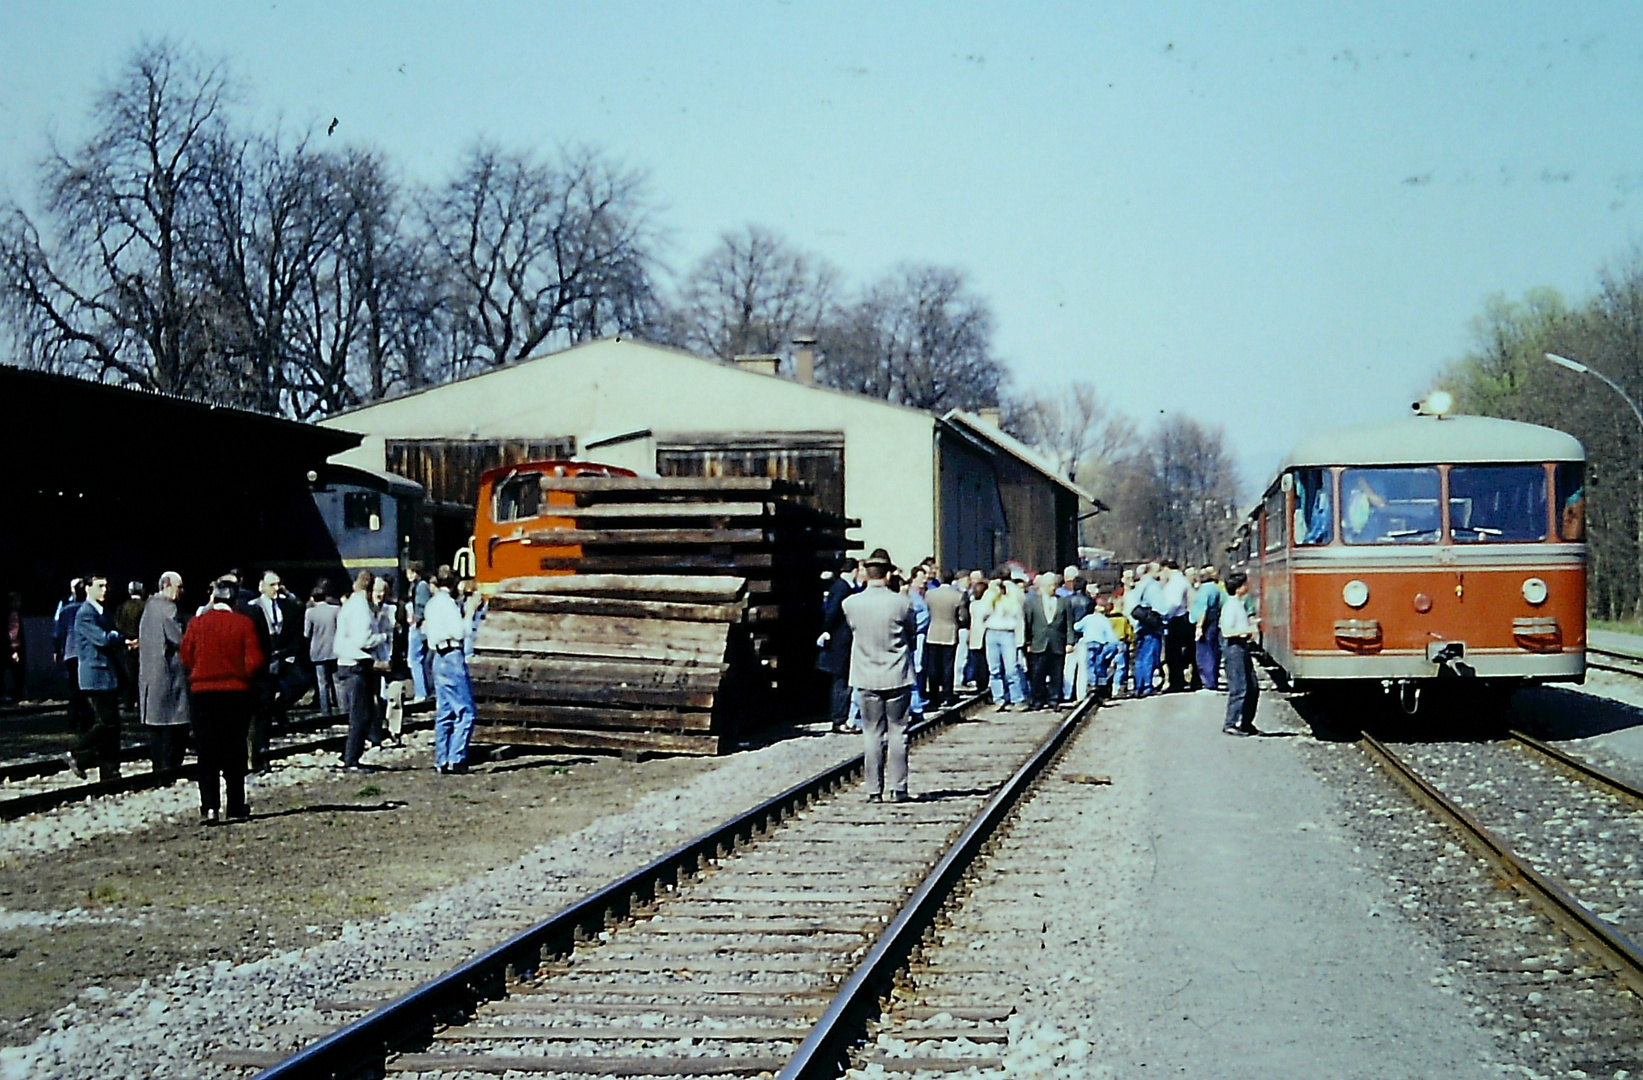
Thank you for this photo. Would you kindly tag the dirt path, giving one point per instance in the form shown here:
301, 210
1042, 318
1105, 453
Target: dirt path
115, 910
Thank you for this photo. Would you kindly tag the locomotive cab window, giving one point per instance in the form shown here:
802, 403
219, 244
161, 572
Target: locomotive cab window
1571, 500
1497, 503
362, 510
519, 497
1273, 512
1314, 508
1390, 506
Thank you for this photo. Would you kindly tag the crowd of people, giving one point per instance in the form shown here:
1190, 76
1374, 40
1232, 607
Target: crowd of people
226, 675
897, 643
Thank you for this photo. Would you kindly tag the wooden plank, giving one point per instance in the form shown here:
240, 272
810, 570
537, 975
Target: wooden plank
591, 1064
508, 735
680, 589
653, 537
617, 608
606, 674
590, 635
674, 485
661, 564
563, 694
555, 716
600, 511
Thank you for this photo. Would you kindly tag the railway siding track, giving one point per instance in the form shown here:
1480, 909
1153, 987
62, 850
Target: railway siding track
1560, 831
764, 945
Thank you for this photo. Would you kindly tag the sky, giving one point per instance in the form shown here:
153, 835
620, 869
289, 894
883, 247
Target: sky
1273, 217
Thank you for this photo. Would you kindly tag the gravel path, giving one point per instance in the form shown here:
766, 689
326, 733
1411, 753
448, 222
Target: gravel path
1208, 913
172, 1026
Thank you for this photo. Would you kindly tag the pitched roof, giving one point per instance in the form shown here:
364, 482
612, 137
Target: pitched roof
1017, 449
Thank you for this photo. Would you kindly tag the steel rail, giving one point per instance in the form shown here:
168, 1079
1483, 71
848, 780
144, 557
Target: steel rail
36, 802
1615, 949
1627, 664
824, 1053
362, 1046
1586, 769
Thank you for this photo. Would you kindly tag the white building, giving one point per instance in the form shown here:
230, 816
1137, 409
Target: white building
954, 486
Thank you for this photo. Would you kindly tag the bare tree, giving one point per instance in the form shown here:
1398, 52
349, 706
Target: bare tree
917, 337
106, 284
1175, 496
751, 294
1073, 425
543, 253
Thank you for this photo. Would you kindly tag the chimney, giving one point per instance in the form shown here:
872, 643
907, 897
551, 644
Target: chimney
762, 363
991, 414
804, 360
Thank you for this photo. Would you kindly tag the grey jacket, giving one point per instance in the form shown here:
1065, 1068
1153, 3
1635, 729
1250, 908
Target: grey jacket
944, 604
882, 632
98, 642
162, 681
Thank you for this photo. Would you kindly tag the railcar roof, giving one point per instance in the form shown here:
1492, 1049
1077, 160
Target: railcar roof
1425, 440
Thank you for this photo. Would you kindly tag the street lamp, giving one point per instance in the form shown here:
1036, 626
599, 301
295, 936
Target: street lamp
1581, 369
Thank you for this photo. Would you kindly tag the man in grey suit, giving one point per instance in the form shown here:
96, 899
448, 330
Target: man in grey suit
99, 645
882, 636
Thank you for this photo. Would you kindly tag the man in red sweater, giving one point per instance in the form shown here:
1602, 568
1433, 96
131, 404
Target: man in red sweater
221, 653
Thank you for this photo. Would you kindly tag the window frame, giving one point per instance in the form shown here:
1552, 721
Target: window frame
1440, 534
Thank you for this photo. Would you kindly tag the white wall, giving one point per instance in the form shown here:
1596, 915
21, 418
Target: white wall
606, 387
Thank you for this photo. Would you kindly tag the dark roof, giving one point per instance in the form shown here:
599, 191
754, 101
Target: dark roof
57, 424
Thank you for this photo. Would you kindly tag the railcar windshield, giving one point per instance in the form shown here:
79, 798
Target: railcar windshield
519, 496
1314, 516
1571, 500
1390, 506
1497, 503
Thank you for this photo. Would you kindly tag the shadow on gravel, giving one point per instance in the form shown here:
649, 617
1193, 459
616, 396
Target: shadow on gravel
333, 808
1548, 712
544, 762
953, 793
1460, 712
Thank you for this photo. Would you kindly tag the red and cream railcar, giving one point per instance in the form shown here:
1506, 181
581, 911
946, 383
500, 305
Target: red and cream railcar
1428, 546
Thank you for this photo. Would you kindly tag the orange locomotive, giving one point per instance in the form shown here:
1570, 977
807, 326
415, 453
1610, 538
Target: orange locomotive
513, 511
1424, 548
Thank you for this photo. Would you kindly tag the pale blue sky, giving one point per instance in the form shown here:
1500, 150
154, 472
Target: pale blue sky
1271, 216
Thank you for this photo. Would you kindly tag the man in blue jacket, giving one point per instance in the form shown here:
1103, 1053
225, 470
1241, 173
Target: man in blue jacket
98, 645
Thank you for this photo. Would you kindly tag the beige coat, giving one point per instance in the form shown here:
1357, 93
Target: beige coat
162, 682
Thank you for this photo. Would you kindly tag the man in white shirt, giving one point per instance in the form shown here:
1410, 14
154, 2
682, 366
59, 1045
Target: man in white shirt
357, 641
1238, 633
1174, 600
444, 628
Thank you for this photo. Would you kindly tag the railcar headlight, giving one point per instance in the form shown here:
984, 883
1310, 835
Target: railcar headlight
1355, 593
1534, 591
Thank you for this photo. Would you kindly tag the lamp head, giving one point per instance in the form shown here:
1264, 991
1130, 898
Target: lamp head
1565, 362
1439, 403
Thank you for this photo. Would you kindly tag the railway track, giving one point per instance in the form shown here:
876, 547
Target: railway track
48, 784
1625, 663
1558, 829
764, 946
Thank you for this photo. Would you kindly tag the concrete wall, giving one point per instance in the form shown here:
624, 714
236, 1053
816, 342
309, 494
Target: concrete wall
608, 387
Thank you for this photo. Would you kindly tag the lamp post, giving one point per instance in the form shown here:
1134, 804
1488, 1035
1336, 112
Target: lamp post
1581, 369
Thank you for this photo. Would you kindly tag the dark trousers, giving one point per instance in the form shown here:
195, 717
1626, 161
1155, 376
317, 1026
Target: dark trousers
362, 708
975, 668
221, 720
79, 710
1209, 657
1046, 671
167, 743
1243, 692
938, 674
13, 674
839, 701
1178, 649
98, 746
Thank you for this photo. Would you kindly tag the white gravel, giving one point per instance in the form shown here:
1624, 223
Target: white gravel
173, 1026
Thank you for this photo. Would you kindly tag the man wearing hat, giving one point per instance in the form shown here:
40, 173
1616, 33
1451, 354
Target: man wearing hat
883, 632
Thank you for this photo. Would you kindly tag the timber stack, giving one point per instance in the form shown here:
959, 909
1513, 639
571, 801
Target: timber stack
672, 614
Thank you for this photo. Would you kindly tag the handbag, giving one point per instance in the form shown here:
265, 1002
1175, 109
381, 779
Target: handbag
1150, 621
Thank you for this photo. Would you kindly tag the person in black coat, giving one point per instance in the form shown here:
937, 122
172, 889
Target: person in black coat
1049, 629
834, 657
278, 620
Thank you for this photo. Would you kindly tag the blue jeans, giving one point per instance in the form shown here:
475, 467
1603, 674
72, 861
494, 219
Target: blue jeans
1009, 685
1148, 649
1209, 657
454, 721
1099, 661
416, 655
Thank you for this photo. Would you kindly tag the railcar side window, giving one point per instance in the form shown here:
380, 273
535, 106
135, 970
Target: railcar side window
1571, 500
362, 510
1273, 511
1390, 506
519, 497
1497, 503
1314, 512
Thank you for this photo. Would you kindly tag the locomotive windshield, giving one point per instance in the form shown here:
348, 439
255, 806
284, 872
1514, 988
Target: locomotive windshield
1390, 506
519, 496
1497, 503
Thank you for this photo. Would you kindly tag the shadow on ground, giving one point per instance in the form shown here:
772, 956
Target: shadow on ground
1551, 712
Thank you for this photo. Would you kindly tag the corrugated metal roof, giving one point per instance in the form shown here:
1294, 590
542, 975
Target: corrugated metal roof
1430, 440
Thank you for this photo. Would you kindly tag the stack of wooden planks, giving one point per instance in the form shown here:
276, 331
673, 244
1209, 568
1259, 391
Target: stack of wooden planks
673, 613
